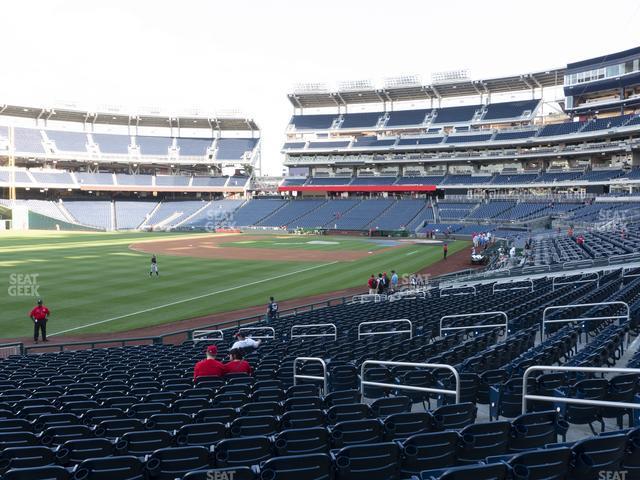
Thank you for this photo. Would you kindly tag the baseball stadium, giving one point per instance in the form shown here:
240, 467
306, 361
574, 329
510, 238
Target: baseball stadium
430, 278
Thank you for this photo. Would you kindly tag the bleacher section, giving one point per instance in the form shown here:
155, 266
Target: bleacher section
68, 141
28, 140
209, 181
404, 118
32, 141
360, 120
133, 179
490, 210
48, 177
172, 180
43, 207
253, 211
215, 215
92, 213
229, 149
154, 145
453, 115
517, 109
399, 215
327, 214
94, 178
63, 180
136, 409
289, 213
169, 214
358, 217
130, 215
112, 143
194, 146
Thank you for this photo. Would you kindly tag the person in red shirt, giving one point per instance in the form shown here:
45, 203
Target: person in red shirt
209, 367
39, 314
236, 364
372, 284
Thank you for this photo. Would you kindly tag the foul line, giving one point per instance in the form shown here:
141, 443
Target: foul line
177, 302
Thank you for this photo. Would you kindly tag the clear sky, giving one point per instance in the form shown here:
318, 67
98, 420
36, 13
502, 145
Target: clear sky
247, 54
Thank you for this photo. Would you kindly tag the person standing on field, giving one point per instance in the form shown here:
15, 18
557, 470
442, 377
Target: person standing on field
154, 266
445, 249
39, 315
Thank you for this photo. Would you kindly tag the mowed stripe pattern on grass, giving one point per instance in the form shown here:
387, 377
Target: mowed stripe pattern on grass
87, 278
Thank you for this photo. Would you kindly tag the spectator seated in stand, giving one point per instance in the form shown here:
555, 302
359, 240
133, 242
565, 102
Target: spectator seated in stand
236, 364
209, 367
245, 344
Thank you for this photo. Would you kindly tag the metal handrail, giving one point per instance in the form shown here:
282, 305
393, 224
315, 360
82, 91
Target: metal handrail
582, 279
379, 322
626, 316
504, 325
456, 375
334, 334
196, 333
575, 401
626, 274
310, 377
91, 343
512, 282
271, 329
19, 345
368, 297
458, 287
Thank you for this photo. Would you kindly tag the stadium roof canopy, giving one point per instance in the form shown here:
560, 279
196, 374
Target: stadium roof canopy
318, 96
116, 116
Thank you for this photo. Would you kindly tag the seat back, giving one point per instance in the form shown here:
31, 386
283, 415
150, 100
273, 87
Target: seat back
428, 451
299, 441
368, 462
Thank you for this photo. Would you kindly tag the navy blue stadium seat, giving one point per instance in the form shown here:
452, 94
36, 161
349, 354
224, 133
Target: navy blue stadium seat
110, 468
354, 432
171, 463
303, 418
482, 440
378, 461
428, 451
494, 471
142, 443
26, 457
302, 441
244, 451
237, 473
50, 472
315, 466
597, 454
205, 434
537, 429
73, 452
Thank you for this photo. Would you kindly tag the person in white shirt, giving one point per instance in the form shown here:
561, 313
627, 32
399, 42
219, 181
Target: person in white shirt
244, 343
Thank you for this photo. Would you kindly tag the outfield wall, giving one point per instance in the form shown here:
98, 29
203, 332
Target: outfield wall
37, 221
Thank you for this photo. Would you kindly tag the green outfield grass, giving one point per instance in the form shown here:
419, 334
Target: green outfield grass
88, 278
